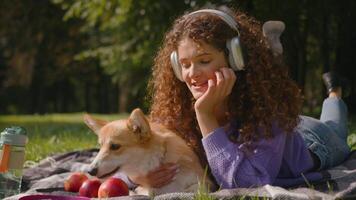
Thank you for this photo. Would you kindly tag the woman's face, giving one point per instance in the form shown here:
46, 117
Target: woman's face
199, 62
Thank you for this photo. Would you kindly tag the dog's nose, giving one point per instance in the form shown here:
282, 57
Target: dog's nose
93, 171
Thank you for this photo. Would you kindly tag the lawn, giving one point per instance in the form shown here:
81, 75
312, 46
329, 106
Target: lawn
55, 133
352, 135
58, 133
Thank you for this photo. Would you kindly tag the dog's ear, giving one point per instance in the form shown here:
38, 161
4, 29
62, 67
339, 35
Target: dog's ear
93, 124
139, 125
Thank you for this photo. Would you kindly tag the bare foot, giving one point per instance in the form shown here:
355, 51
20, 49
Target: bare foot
336, 92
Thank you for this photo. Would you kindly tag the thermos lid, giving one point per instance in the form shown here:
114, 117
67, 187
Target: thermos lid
14, 135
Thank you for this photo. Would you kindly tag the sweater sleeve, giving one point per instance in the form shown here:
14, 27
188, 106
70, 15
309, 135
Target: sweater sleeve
233, 165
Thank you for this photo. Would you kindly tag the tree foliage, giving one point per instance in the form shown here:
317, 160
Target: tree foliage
125, 36
38, 71
96, 55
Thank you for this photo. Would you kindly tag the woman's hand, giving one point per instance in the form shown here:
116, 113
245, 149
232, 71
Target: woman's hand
218, 91
158, 177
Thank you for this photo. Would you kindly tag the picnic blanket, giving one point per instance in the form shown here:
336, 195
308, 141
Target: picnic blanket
47, 177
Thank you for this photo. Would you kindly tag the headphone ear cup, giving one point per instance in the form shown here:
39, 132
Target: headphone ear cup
176, 66
231, 57
235, 54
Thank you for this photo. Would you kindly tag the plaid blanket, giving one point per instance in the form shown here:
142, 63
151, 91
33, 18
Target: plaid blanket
48, 176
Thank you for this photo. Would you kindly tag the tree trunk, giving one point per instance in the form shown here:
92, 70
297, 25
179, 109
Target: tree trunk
123, 96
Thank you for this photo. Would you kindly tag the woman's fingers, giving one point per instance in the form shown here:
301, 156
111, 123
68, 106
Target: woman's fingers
218, 89
210, 92
225, 81
163, 172
230, 79
158, 177
219, 78
164, 180
220, 84
164, 167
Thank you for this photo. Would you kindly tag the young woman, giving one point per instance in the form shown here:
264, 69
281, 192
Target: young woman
217, 83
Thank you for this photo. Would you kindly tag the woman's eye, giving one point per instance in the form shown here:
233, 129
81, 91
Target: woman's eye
184, 65
204, 62
114, 146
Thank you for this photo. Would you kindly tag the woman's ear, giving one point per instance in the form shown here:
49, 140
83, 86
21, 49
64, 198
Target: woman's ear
94, 124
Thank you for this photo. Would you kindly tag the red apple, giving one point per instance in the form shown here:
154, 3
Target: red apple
74, 181
90, 188
113, 187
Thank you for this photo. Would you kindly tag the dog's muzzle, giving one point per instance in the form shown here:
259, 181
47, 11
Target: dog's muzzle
93, 171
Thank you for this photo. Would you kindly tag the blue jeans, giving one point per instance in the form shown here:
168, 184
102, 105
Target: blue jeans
327, 137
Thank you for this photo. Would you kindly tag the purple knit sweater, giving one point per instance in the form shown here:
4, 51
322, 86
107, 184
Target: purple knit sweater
281, 161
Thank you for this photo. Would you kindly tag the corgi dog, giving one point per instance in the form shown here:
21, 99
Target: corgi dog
136, 146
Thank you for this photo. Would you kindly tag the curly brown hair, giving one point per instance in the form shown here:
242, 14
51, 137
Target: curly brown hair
263, 94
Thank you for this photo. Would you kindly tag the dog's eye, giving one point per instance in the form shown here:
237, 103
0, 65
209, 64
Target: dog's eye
114, 146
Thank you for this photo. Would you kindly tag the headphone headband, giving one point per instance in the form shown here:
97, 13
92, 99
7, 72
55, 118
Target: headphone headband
222, 15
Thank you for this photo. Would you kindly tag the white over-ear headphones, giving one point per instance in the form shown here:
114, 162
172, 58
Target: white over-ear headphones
233, 45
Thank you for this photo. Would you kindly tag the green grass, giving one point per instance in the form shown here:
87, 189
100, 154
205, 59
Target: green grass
55, 133
351, 140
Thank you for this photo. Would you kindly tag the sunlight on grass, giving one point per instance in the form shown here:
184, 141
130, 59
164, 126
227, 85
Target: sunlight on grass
55, 133
56, 118
351, 140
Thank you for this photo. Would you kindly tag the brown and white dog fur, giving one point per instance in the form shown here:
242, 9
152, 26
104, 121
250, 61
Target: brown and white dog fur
135, 147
